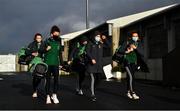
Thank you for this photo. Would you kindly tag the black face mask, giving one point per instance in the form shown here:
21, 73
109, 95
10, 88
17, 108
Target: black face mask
56, 38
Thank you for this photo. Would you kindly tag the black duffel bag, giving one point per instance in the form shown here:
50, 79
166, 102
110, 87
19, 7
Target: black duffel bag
38, 67
25, 60
40, 70
118, 57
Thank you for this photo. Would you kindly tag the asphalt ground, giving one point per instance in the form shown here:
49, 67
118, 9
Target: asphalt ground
16, 91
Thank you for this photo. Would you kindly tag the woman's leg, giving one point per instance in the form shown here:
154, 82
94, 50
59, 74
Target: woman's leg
97, 79
48, 81
81, 79
92, 84
129, 79
93, 97
36, 82
55, 71
47, 86
56, 79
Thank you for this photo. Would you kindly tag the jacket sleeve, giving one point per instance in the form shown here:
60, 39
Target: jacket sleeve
29, 49
140, 62
71, 56
89, 49
42, 49
107, 44
61, 58
122, 48
61, 52
46, 42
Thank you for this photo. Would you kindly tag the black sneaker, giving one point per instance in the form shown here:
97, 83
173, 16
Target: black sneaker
93, 98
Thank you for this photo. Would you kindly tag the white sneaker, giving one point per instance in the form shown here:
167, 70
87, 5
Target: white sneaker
48, 100
135, 96
80, 92
55, 99
34, 95
129, 95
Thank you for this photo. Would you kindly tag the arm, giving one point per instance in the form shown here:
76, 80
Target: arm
88, 50
89, 53
29, 49
47, 45
61, 58
43, 48
122, 48
61, 53
71, 56
106, 43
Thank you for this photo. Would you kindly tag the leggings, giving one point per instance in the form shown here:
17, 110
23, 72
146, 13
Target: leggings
80, 70
81, 78
52, 71
36, 82
130, 69
95, 79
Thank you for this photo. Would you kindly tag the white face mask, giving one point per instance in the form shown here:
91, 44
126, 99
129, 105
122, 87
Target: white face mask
97, 38
135, 39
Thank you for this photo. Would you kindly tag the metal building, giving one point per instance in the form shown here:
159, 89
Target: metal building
160, 30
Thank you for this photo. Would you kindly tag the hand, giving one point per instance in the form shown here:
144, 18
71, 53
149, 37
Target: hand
93, 61
35, 54
133, 46
129, 50
139, 67
60, 67
48, 48
69, 62
103, 37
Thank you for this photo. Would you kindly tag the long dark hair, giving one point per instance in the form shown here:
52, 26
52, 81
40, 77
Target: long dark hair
37, 34
97, 33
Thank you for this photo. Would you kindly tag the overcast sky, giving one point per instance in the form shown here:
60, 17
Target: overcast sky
21, 19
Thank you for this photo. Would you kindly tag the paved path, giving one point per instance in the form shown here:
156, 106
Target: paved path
16, 90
